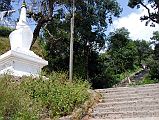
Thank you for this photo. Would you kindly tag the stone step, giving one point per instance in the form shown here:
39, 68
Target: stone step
129, 94
121, 115
128, 103
127, 108
122, 99
144, 94
149, 86
131, 91
144, 118
125, 89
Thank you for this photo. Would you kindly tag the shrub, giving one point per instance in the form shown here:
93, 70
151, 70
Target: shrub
5, 31
4, 45
154, 70
33, 99
14, 103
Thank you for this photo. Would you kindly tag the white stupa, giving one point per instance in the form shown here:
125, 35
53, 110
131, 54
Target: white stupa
20, 60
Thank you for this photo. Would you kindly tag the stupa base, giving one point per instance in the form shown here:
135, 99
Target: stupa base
21, 63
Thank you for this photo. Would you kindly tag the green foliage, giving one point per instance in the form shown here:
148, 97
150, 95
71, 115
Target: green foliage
91, 21
5, 5
122, 58
102, 76
154, 61
121, 51
152, 13
118, 59
154, 70
156, 39
134, 3
88, 14
13, 101
33, 99
118, 39
144, 51
5, 31
155, 36
4, 45
156, 52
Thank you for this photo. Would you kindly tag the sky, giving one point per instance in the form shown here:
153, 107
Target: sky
130, 19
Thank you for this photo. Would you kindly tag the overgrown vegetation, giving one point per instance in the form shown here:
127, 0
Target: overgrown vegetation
4, 45
39, 98
5, 31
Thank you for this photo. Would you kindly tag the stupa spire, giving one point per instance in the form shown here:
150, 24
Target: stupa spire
22, 19
24, 3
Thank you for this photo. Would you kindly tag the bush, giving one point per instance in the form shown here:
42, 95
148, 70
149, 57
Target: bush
5, 31
154, 70
34, 99
4, 45
12, 102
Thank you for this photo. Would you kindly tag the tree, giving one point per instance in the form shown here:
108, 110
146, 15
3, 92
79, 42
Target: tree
153, 14
91, 20
154, 63
118, 58
48, 10
122, 50
118, 39
104, 77
41, 12
155, 36
144, 51
156, 39
5, 5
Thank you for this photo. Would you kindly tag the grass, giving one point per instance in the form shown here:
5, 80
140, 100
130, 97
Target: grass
38, 98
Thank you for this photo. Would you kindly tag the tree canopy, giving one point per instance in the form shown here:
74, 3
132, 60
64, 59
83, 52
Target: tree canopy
152, 7
5, 5
91, 20
100, 12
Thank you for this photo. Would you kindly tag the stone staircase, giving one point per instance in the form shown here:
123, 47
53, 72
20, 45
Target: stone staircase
128, 103
133, 78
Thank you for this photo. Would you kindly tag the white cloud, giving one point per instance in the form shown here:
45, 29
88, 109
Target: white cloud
137, 29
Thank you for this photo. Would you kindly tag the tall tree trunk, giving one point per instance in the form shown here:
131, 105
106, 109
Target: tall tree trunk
40, 24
